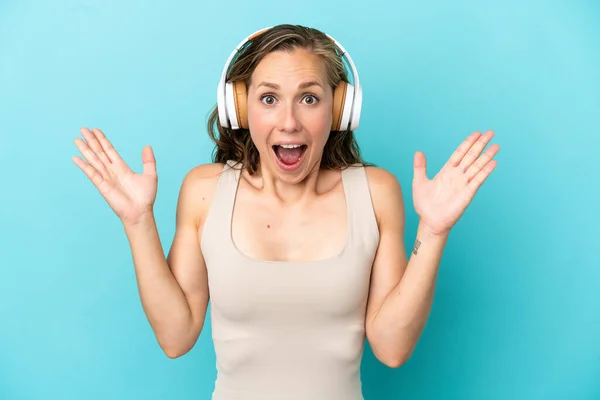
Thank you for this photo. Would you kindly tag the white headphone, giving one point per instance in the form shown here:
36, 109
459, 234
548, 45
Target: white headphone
232, 96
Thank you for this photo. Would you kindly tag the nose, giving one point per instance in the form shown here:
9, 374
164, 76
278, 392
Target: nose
288, 120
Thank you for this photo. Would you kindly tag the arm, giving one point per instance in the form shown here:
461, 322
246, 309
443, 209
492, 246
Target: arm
401, 293
174, 290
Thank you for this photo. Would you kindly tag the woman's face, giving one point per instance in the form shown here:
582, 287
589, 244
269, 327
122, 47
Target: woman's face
289, 112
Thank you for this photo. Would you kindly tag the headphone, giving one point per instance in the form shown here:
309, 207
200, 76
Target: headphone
232, 96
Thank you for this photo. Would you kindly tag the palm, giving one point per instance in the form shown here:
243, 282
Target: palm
130, 195
440, 202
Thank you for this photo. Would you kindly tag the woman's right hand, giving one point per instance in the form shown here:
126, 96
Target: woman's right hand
131, 196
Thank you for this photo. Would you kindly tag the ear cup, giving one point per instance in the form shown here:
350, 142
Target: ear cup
232, 121
221, 107
236, 105
356, 108
343, 104
339, 98
241, 106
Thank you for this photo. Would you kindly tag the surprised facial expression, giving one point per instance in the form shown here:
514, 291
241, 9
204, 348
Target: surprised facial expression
289, 112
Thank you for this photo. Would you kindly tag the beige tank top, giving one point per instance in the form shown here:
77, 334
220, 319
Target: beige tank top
289, 330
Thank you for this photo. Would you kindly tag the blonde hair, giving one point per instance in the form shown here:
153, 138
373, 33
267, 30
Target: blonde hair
341, 149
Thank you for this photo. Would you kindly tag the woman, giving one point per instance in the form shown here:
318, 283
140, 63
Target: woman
296, 240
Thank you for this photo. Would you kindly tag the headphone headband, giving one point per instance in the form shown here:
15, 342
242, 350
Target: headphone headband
351, 104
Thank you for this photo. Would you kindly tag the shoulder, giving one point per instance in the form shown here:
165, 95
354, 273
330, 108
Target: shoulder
203, 174
381, 179
386, 194
202, 178
197, 190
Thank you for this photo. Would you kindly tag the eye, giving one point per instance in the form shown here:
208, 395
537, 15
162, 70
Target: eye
313, 101
268, 99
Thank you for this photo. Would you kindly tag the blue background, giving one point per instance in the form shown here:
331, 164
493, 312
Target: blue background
516, 313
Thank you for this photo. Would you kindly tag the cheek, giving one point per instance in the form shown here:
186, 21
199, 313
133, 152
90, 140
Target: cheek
260, 118
320, 125
259, 137
319, 118
258, 124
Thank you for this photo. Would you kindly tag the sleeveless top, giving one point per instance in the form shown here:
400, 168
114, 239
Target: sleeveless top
289, 330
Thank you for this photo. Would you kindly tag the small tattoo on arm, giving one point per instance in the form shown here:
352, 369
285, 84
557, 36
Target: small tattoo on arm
416, 246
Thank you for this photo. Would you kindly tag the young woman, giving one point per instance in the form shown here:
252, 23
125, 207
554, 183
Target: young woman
296, 241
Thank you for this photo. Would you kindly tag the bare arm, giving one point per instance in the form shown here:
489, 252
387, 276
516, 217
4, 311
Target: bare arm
174, 290
402, 291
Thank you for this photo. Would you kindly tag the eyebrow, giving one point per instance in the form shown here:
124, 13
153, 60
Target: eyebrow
303, 85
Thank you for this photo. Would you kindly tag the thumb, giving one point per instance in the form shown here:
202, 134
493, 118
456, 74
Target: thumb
420, 166
148, 161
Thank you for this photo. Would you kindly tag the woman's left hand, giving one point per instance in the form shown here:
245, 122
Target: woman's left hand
440, 202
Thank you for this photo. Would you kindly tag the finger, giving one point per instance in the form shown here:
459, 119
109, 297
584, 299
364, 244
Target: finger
475, 150
460, 152
148, 161
93, 142
420, 166
110, 151
481, 176
89, 171
482, 161
91, 157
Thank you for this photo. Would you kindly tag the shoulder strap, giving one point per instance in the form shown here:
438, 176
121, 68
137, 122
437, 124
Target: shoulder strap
360, 205
217, 224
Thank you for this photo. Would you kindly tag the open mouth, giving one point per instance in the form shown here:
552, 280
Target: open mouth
289, 156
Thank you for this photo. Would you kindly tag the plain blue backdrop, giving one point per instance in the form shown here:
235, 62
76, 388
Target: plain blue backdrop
517, 307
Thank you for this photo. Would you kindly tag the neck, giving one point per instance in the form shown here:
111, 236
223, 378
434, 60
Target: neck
288, 189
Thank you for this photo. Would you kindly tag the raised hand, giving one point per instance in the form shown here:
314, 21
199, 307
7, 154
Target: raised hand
440, 202
130, 195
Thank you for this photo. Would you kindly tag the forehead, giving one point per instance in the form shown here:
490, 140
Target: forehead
281, 66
